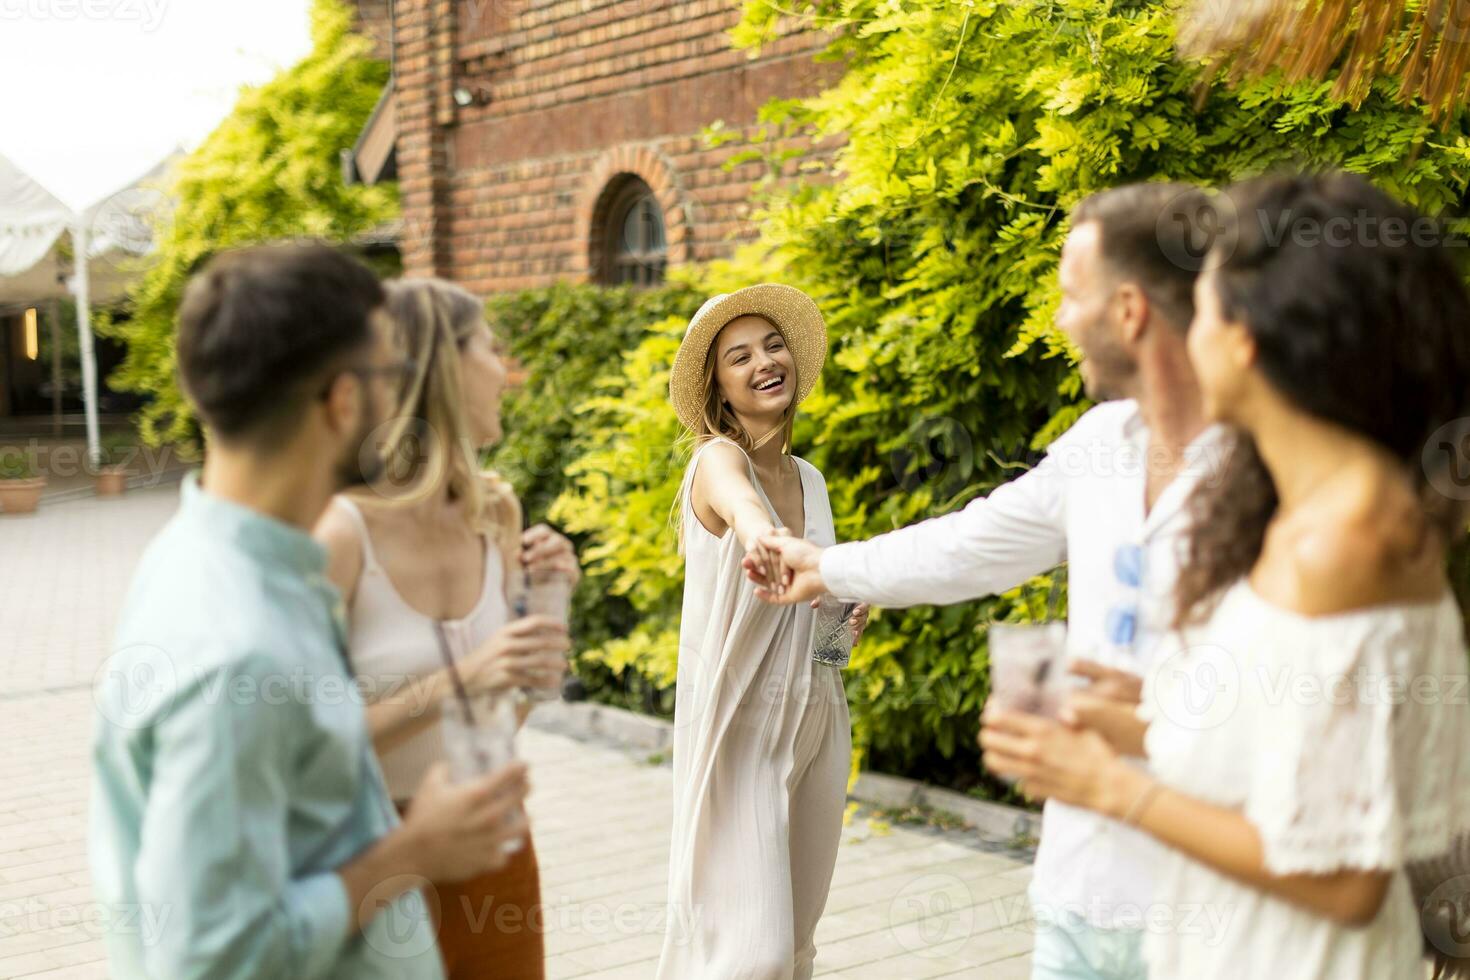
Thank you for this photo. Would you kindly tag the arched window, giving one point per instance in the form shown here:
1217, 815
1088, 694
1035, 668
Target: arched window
634, 247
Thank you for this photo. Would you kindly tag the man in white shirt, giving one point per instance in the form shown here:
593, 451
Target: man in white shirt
1109, 498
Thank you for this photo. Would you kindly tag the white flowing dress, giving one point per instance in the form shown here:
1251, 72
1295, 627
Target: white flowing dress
1345, 740
762, 746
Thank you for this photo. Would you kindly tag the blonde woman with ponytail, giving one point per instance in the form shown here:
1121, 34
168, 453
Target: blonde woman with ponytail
762, 743
434, 550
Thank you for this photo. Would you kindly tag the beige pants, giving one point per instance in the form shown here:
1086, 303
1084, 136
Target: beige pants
759, 875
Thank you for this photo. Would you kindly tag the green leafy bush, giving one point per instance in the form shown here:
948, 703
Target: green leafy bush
971, 128
270, 172
565, 338
15, 464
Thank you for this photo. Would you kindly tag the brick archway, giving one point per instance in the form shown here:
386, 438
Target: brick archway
655, 170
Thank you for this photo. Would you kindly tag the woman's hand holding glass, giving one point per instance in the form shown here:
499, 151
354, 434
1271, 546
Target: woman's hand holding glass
527, 652
1051, 760
1078, 758
1108, 682
858, 620
1108, 706
544, 550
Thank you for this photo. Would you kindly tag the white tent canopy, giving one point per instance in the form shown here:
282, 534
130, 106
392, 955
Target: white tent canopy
31, 219
105, 238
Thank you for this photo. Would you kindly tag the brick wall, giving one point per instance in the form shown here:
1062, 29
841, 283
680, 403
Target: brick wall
374, 20
566, 95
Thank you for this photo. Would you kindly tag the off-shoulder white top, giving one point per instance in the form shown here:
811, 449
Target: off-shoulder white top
1345, 740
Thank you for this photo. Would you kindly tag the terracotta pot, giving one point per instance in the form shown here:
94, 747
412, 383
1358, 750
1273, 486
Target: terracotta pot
112, 481
21, 496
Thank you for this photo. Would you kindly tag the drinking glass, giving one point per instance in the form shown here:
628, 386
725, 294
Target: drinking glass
546, 594
479, 738
1028, 669
832, 631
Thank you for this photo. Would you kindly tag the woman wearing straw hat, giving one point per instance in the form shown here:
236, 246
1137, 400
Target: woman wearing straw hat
762, 743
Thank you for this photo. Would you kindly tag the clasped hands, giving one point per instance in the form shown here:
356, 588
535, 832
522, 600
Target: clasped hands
787, 570
1077, 758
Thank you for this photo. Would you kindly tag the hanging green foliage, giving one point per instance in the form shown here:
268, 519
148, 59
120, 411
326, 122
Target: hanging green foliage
971, 128
270, 172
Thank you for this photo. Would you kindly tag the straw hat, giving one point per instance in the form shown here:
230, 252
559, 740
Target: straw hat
788, 308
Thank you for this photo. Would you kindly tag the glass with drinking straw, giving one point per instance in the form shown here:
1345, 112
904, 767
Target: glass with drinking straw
479, 731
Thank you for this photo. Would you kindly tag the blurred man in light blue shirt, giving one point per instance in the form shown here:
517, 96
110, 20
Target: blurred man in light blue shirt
240, 826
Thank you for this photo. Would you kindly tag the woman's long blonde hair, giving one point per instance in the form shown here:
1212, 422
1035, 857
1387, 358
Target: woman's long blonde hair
428, 445
717, 420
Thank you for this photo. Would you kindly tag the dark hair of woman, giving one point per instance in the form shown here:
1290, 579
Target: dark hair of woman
1360, 318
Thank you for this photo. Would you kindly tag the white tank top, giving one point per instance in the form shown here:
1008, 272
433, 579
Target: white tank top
390, 643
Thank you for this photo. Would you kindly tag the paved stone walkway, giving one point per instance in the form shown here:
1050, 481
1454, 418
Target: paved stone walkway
906, 904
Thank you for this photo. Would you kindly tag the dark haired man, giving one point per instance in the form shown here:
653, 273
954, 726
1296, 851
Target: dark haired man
1109, 499
239, 818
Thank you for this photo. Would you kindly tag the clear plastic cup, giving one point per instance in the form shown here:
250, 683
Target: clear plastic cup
832, 631
479, 738
1028, 667
546, 594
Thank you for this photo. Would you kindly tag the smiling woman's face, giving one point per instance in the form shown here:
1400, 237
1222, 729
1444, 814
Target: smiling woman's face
1222, 352
754, 370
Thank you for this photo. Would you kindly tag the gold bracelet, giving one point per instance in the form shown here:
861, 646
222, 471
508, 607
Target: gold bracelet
1141, 801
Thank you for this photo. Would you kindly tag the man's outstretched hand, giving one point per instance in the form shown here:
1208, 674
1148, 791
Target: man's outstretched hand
800, 571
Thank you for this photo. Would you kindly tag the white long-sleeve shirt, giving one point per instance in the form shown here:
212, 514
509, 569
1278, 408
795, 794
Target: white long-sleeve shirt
1084, 502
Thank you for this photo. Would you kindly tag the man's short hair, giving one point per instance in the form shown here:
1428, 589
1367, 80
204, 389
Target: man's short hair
257, 324
1156, 235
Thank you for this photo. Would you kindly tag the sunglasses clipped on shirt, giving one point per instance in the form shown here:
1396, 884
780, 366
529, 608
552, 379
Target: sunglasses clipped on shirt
1121, 624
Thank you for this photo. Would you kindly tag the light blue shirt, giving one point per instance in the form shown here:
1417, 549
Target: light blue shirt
233, 770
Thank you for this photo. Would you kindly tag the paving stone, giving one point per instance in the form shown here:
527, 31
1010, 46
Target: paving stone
907, 903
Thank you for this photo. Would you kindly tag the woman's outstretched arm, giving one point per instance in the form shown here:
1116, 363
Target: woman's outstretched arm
722, 489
